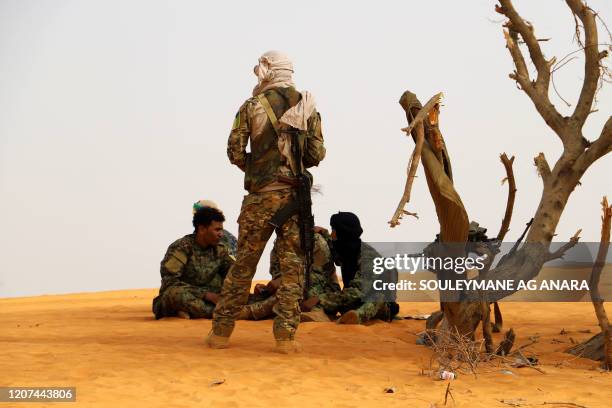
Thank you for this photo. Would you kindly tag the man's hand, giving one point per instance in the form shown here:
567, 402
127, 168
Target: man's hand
320, 230
211, 297
309, 303
273, 285
259, 288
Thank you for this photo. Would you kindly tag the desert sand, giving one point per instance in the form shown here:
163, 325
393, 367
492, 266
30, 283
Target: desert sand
111, 349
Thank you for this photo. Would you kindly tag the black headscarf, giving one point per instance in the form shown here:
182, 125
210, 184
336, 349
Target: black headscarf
347, 244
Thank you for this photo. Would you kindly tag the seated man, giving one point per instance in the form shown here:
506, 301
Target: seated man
356, 259
228, 239
193, 269
322, 279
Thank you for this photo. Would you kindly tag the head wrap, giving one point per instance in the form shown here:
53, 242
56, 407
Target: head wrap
204, 203
273, 69
346, 225
347, 244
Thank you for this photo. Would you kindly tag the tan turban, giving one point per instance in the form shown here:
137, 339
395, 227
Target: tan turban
274, 69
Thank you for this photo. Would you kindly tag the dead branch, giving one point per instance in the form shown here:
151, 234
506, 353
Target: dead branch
566, 247
487, 332
420, 117
598, 301
542, 166
506, 344
412, 168
592, 58
453, 350
448, 393
597, 149
538, 90
552, 80
532, 341
511, 195
499, 321
525, 29
417, 125
602, 253
528, 363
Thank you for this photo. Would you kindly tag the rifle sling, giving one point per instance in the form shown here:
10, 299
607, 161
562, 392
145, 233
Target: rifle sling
269, 112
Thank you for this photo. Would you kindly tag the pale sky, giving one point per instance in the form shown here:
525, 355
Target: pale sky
114, 117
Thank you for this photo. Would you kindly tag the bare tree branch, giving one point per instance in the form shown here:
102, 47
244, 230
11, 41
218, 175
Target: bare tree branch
415, 159
597, 149
536, 90
511, 196
521, 74
598, 302
591, 66
566, 247
417, 125
542, 166
602, 253
525, 29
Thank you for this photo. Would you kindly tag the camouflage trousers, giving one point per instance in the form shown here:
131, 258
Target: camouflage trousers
339, 302
182, 299
372, 310
259, 309
253, 233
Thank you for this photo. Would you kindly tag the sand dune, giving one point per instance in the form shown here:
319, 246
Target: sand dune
111, 349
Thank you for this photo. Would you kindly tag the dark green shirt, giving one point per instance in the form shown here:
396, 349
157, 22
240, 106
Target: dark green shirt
188, 264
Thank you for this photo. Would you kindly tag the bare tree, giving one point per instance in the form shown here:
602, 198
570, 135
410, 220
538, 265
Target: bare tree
578, 153
559, 181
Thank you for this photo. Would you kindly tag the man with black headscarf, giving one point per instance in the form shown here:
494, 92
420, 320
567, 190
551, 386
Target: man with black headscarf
357, 302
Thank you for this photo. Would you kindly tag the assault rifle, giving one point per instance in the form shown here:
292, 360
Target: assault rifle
302, 206
304, 203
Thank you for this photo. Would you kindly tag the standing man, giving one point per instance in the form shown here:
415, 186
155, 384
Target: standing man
269, 121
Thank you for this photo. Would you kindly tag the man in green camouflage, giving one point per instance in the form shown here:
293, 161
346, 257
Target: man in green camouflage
357, 302
323, 279
262, 122
228, 239
193, 269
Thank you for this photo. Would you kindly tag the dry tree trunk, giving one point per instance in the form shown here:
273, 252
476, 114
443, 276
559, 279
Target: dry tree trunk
487, 328
558, 183
599, 347
578, 153
453, 219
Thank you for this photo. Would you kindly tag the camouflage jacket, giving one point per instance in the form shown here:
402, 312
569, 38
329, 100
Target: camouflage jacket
323, 277
360, 289
263, 164
188, 264
230, 241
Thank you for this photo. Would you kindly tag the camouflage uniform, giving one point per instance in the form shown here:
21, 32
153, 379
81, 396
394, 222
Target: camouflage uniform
262, 166
352, 296
188, 271
230, 241
323, 278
